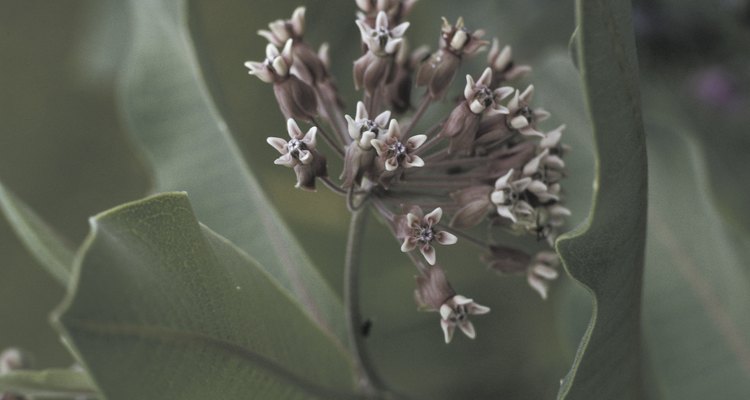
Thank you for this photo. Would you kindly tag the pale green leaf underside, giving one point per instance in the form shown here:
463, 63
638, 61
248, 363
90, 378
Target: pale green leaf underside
169, 111
606, 254
697, 296
49, 249
163, 308
49, 383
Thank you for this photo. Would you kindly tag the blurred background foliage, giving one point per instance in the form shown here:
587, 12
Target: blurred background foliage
65, 151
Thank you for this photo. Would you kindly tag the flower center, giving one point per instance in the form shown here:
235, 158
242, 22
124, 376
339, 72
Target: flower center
484, 96
426, 235
460, 313
527, 113
370, 126
382, 35
294, 146
398, 149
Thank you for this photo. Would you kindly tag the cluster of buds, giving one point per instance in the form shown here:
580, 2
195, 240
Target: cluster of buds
487, 162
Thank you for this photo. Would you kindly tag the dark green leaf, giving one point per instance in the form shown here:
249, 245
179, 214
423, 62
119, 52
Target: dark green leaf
164, 308
169, 111
43, 243
49, 383
606, 254
697, 293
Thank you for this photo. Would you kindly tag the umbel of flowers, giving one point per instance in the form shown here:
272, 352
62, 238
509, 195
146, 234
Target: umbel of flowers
488, 161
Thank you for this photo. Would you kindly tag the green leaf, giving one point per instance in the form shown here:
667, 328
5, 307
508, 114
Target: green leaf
49, 249
606, 254
163, 308
697, 293
169, 111
49, 383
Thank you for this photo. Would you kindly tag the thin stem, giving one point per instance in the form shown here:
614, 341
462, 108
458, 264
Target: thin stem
351, 204
424, 105
324, 134
333, 113
333, 186
369, 382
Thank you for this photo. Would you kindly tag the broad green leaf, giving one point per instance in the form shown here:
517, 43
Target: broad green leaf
697, 296
49, 249
163, 308
48, 383
606, 253
169, 111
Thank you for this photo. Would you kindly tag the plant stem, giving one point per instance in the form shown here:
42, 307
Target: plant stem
369, 382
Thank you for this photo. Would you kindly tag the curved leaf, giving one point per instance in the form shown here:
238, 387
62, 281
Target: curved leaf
163, 308
697, 296
49, 249
606, 254
49, 383
170, 112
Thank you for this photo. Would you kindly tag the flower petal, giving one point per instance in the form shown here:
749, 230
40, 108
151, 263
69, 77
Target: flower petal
446, 238
448, 329
504, 211
433, 218
309, 138
413, 220
538, 284
429, 253
294, 131
477, 309
502, 182
278, 144
400, 30
285, 160
391, 164
545, 272
468, 329
382, 119
380, 146
413, 161
415, 141
408, 245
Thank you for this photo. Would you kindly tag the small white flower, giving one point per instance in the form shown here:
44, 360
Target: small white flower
481, 98
298, 150
510, 199
522, 118
397, 153
382, 41
280, 31
455, 312
421, 233
542, 270
363, 130
277, 65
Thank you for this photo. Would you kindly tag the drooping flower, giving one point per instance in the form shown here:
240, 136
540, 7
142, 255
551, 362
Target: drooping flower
509, 196
435, 293
522, 117
296, 98
503, 67
455, 312
307, 64
420, 232
374, 68
300, 153
360, 155
542, 270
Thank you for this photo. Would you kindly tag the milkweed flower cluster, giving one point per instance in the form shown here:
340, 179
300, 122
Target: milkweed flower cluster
489, 161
